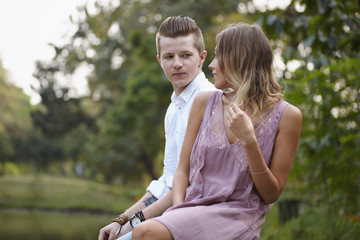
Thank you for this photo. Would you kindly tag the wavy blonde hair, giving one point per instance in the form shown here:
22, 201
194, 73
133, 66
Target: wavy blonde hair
246, 61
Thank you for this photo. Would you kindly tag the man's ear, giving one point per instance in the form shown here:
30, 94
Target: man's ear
202, 58
158, 58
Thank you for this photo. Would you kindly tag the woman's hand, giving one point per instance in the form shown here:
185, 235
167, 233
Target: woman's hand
240, 124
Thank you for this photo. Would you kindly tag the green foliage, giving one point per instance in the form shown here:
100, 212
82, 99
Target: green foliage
323, 39
129, 93
118, 44
312, 224
58, 116
50, 225
15, 122
315, 32
67, 194
330, 133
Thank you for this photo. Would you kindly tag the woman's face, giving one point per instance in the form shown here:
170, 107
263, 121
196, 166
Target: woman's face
219, 79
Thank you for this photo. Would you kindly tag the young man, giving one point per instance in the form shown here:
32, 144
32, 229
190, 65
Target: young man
181, 54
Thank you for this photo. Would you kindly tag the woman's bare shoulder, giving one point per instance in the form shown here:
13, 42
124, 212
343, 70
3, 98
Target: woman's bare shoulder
291, 117
292, 111
203, 97
200, 102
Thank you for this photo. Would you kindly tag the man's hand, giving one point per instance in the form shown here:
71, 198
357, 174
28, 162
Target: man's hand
110, 231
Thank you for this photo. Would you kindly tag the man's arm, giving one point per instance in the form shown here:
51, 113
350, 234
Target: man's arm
153, 210
111, 230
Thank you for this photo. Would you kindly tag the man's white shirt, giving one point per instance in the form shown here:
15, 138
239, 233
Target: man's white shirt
176, 120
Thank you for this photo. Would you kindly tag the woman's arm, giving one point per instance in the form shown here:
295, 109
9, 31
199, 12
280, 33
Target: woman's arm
270, 182
158, 207
181, 176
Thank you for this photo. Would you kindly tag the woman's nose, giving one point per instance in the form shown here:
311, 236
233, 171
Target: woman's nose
211, 67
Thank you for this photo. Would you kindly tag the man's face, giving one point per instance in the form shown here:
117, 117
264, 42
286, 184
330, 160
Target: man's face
180, 61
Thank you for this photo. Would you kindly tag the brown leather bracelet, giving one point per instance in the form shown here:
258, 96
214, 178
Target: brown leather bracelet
121, 219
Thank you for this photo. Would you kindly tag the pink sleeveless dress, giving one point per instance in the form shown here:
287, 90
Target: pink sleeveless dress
221, 201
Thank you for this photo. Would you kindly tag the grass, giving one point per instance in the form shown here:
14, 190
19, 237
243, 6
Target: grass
48, 207
47, 192
37, 225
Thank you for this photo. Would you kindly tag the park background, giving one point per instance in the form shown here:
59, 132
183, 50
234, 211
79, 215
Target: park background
71, 162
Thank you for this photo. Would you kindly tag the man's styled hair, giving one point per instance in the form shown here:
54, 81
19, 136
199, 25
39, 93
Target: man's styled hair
173, 27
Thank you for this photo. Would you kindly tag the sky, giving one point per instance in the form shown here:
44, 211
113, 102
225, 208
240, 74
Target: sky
26, 29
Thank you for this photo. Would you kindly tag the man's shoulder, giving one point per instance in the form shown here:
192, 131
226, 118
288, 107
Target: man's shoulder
205, 85
201, 82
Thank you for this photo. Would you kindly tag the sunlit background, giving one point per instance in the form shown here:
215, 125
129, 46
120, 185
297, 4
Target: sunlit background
82, 146
27, 28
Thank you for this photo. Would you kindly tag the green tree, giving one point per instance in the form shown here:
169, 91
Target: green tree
118, 44
15, 122
56, 117
322, 38
318, 42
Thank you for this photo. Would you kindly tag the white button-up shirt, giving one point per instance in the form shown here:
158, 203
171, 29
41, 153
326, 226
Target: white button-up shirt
176, 120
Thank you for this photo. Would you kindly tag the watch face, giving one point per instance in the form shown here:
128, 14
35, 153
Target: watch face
135, 221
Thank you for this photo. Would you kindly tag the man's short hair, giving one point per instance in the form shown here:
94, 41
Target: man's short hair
173, 27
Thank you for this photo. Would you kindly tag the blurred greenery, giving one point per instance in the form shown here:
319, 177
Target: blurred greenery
323, 40
115, 134
313, 223
45, 206
42, 207
65, 193
35, 225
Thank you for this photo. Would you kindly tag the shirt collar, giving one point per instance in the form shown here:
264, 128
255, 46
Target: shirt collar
186, 94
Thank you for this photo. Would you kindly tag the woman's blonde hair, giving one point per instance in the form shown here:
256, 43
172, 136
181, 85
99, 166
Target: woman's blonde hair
246, 61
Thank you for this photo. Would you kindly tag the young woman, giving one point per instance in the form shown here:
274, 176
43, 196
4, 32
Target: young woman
238, 148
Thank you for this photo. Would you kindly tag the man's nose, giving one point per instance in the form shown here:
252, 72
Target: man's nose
177, 62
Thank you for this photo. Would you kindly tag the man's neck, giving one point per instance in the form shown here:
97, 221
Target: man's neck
179, 91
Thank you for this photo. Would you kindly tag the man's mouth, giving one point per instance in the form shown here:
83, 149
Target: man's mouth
179, 74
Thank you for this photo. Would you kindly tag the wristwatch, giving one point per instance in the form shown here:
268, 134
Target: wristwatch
137, 219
